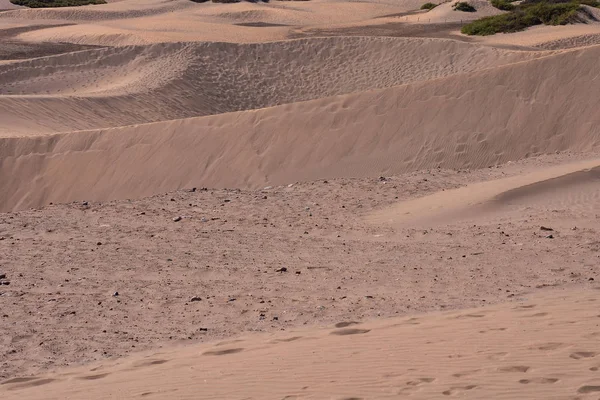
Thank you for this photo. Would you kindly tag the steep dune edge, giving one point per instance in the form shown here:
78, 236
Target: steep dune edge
544, 347
464, 121
112, 87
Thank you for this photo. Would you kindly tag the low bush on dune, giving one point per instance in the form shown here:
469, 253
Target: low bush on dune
464, 7
428, 6
503, 5
529, 13
55, 3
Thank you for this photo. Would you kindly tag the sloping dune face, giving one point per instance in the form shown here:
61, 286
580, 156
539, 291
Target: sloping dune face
111, 87
462, 121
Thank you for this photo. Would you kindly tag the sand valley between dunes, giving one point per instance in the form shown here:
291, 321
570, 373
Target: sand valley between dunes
324, 199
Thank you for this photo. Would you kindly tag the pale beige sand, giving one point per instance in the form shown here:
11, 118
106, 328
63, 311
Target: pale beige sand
321, 119
64, 262
575, 179
446, 13
465, 121
544, 347
133, 22
95, 88
7, 5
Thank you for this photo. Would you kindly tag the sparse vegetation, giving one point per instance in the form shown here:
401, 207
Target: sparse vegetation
529, 13
464, 7
428, 6
55, 3
503, 5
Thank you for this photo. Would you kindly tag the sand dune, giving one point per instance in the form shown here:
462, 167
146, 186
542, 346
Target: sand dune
112, 10
134, 22
384, 165
543, 347
465, 121
445, 13
131, 85
551, 187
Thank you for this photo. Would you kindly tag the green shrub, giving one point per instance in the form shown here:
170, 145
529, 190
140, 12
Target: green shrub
463, 6
428, 6
591, 3
55, 3
503, 5
526, 14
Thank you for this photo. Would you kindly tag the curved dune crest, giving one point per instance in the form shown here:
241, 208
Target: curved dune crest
111, 87
463, 121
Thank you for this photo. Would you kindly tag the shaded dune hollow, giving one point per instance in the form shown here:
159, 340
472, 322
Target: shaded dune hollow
111, 87
467, 120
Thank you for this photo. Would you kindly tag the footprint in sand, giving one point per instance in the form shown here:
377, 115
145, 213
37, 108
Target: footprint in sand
458, 390
222, 352
578, 355
537, 315
524, 307
93, 377
514, 368
350, 331
147, 363
28, 383
345, 324
589, 389
466, 373
539, 380
415, 385
548, 346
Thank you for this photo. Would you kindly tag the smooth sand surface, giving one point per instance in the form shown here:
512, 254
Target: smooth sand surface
296, 200
549, 185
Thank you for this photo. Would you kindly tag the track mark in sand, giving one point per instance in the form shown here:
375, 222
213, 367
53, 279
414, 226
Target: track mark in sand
578, 355
345, 324
93, 377
352, 398
592, 335
514, 368
539, 380
222, 352
466, 373
350, 331
589, 389
458, 389
32, 383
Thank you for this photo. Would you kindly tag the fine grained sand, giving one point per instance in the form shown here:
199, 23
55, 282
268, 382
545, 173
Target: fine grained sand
413, 215
543, 347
